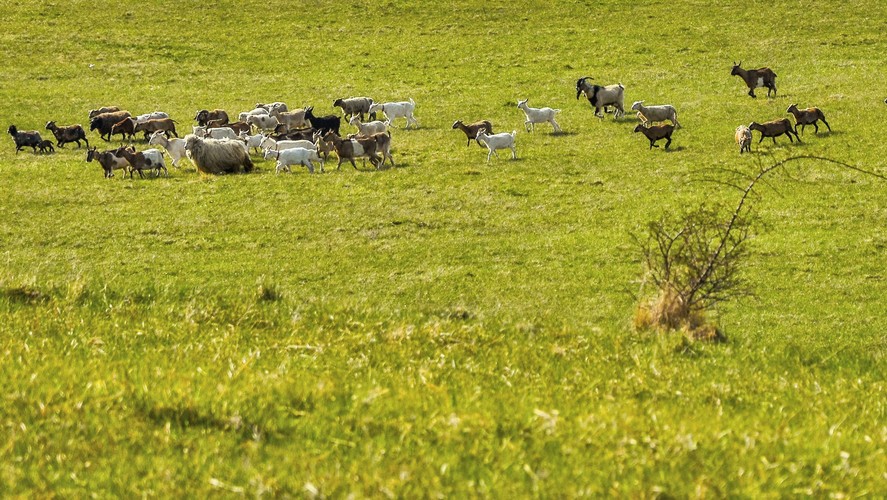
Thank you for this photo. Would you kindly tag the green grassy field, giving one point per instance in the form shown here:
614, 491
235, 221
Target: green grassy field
447, 327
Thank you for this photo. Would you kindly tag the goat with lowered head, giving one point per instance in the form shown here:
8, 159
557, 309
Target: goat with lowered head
148, 127
655, 133
267, 143
472, 129
23, 138
659, 113
67, 133
809, 116
204, 115
600, 97
756, 78
774, 129
497, 141
538, 115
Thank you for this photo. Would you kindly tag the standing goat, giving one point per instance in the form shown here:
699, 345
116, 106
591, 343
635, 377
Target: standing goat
601, 97
809, 116
756, 78
66, 134
498, 141
743, 138
538, 115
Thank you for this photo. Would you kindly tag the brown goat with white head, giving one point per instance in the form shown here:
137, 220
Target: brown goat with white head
756, 78
774, 129
809, 116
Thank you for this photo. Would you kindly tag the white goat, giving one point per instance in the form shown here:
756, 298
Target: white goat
262, 122
270, 144
497, 141
150, 116
246, 114
251, 141
538, 115
743, 138
175, 147
650, 114
369, 128
292, 119
215, 133
294, 156
394, 110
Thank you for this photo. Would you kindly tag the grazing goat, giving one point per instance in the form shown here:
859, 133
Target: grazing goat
106, 121
538, 115
293, 156
774, 129
217, 157
24, 138
743, 138
262, 122
660, 113
656, 132
323, 124
291, 119
155, 125
204, 115
175, 147
369, 128
66, 134
355, 106
601, 97
105, 109
45, 146
151, 116
472, 129
109, 160
349, 149
392, 110
497, 141
756, 78
809, 116
125, 127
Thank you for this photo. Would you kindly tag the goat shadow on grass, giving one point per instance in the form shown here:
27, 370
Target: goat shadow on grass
674, 149
822, 133
563, 133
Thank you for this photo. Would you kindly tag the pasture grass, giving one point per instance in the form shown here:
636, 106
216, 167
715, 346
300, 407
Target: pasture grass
446, 327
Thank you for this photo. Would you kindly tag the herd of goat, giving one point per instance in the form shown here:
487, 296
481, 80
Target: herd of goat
218, 145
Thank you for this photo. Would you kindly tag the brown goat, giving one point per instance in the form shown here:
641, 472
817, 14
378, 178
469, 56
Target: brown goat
809, 116
655, 133
755, 78
472, 129
105, 109
151, 126
125, 127
66, 134
109, 160
774, 129
349, 149
105, 121
205, 115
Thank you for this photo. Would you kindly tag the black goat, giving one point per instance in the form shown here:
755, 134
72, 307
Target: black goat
323, 123
24, 138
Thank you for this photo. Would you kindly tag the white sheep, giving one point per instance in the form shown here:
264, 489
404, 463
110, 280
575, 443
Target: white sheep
538, 115
650, 114
497, 141
150, 116
294, 156
175, 147
394, 110
369, 128
270, 144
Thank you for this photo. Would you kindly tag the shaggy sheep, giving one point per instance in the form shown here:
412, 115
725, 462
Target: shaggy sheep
601, 97
755, 78
204, 115
538, 115
66, 134
655, 133
498, 141
217, 157
809, 116
660, 113
472, 129
774, 129
743, 138
24, 138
